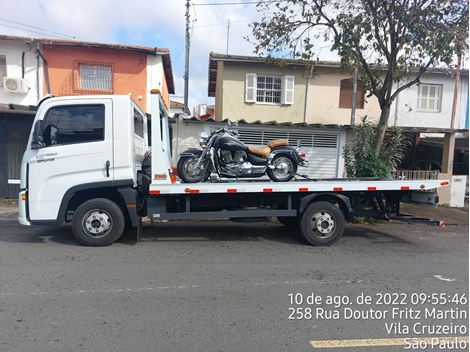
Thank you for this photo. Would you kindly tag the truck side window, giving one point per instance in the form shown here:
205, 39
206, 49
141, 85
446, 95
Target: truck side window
74, 124
138, 123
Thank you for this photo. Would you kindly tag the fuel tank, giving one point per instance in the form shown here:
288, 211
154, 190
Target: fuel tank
227, 142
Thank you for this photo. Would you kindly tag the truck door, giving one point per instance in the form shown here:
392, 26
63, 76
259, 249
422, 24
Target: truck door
78, 150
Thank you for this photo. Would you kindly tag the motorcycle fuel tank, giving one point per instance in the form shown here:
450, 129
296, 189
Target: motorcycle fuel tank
227, 142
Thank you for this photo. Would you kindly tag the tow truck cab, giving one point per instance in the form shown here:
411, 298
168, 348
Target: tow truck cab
80, 148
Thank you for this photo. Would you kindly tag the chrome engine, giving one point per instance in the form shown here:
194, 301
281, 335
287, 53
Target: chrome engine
235, 163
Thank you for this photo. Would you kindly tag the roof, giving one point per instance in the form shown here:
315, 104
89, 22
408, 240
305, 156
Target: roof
163, 52
322, 125
216, 57
176, 104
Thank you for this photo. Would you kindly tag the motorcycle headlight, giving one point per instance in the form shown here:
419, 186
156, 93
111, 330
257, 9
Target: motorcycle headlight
204, 138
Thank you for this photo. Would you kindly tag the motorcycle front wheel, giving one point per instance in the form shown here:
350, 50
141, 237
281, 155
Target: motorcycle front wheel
188, 172
284, 168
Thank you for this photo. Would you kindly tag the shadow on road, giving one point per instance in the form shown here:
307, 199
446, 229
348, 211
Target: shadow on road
190, 231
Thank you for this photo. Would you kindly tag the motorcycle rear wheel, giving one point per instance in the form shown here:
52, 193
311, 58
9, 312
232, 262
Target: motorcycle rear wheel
284, 170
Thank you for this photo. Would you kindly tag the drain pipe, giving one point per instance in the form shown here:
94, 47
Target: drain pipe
46, 70
307, 83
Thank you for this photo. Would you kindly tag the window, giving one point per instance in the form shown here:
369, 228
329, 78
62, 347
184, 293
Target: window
3, 68
429, 97
346, 91
95, 77
74, 124
138, 123
268, 89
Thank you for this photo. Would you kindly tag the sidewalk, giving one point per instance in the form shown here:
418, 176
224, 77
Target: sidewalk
450, 216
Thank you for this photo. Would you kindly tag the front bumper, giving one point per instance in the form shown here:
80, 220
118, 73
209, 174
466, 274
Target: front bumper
22, 218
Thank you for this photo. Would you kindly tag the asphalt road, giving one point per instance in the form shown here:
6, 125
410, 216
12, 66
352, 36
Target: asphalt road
210, 286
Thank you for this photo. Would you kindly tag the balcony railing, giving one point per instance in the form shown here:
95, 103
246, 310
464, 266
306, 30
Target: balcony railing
415, 175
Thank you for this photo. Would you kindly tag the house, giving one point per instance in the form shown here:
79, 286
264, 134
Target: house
30, 68
21, 85
253, 88
80, 68
176, 107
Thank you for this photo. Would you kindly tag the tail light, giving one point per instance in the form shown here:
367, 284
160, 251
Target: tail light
173, 174
302, 155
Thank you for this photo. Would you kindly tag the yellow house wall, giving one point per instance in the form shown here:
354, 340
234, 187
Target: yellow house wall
323, 99
233, 92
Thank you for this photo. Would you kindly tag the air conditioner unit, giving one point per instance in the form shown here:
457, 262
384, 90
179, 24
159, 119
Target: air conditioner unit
15, 85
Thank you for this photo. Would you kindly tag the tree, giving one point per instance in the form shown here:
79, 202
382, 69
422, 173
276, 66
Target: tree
388, 40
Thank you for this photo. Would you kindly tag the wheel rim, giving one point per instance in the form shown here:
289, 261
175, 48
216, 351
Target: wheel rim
190, 168
282, 167
97, 223
323, 224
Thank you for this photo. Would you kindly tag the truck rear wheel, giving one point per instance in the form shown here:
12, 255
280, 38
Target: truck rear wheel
322, 224
98, 222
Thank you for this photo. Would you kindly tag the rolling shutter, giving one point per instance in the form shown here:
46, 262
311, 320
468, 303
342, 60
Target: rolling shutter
250, 88
345, 94
322, 149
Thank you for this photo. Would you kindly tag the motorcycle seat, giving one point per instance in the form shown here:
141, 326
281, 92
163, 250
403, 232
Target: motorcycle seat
277, 143
259, 150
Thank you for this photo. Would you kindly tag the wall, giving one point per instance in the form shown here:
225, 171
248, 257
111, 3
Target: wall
404, 109
13, 51
129, 70
233, 93
323, 99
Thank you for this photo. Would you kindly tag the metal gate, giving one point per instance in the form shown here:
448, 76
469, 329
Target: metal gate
14, 133
323, 149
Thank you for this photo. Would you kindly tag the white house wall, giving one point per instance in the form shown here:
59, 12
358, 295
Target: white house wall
405, 110
13, 51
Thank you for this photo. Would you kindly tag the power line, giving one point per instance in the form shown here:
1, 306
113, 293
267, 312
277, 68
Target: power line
41, 29
221, 23
227, 3
29, 30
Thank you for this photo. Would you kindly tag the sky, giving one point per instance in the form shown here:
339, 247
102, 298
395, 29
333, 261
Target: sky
153, 23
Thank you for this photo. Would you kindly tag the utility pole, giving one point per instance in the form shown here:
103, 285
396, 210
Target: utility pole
228, 34
449, 138
186, 61
354, 95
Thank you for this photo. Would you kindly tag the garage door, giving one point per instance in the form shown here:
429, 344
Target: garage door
322, 148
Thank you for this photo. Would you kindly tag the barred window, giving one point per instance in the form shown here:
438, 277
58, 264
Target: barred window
268, 89
96, 77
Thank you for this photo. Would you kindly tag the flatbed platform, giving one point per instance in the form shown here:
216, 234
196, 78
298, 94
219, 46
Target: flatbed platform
335, 185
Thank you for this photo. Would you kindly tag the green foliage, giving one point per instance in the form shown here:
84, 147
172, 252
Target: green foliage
366, 220
361, 159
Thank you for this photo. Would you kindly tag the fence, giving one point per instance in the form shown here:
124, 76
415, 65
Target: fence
415, 175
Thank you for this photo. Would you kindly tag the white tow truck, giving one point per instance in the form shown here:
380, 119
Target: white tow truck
87, 163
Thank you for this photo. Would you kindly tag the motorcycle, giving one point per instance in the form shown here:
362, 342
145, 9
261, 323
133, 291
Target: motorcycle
222, 152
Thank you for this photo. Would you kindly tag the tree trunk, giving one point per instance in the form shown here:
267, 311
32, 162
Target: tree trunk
381, 129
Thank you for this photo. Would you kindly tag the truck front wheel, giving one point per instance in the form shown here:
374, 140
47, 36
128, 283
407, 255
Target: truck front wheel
322, 223
98, 222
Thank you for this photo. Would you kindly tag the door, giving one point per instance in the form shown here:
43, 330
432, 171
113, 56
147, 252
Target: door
78, 138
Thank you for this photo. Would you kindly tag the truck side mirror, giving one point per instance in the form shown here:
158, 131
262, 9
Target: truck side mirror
37, 141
